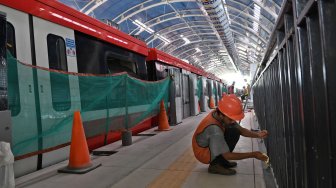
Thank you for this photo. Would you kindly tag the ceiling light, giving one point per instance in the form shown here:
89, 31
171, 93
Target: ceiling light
256, 14
143, 26
187, 41
164, 39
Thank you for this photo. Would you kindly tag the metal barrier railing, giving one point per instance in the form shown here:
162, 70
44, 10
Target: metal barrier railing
294, 96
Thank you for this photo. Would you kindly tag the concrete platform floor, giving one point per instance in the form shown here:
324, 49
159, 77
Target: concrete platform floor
163, 160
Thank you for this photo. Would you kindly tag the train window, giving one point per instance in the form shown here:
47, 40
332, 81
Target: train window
60, 88
3, 67
116, 65
98, 57
13, 90
56, 53
11, 39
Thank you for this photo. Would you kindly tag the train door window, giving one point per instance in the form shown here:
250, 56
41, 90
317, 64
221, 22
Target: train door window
11, 39
186, 91
177, 83
13, 79
56, 53
59, 83
117, 65
205, 89
3, 67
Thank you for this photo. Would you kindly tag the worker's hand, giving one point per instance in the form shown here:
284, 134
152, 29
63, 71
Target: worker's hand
260, 156
262, 134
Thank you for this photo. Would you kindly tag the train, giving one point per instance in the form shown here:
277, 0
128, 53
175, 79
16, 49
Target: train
48, 34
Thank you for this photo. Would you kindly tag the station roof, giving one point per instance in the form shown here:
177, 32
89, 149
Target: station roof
219, 36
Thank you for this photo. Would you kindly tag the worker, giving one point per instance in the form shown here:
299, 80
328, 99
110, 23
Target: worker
217, 135
231, 88
245, 94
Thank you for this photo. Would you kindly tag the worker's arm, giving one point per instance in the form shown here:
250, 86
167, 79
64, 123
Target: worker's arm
253, 134
239, 156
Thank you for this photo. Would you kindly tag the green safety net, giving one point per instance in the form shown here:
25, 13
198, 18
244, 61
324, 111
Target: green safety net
42, 103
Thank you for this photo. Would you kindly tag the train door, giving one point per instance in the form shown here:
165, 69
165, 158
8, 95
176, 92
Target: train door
193, 95
220, 89
5, 125
175, 97
218, 92
3, 67
214, 92
186, 94
204, 94
55, 49
22, 100
209, 90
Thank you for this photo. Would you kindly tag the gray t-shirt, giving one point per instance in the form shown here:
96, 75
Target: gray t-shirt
213, 137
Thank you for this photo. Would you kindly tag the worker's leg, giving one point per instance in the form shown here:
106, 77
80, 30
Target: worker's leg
231, 136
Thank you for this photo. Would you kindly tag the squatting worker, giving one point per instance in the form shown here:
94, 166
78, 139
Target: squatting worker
217, 135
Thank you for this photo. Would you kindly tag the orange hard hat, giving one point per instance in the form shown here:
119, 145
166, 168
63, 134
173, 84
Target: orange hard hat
231, 106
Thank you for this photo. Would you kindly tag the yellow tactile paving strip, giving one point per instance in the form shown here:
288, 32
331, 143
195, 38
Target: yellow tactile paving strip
176, 174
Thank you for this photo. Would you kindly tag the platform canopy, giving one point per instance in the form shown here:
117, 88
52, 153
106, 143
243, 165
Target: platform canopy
219, 36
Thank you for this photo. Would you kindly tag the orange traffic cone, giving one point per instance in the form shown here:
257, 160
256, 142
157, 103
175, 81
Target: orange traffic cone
163, 120
212, 103
79, 160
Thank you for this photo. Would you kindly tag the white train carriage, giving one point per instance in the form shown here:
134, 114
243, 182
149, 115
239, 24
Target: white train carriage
50, 35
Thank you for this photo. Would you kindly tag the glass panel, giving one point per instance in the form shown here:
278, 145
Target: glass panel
60, 88
3, 67
13, 79
11, 46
